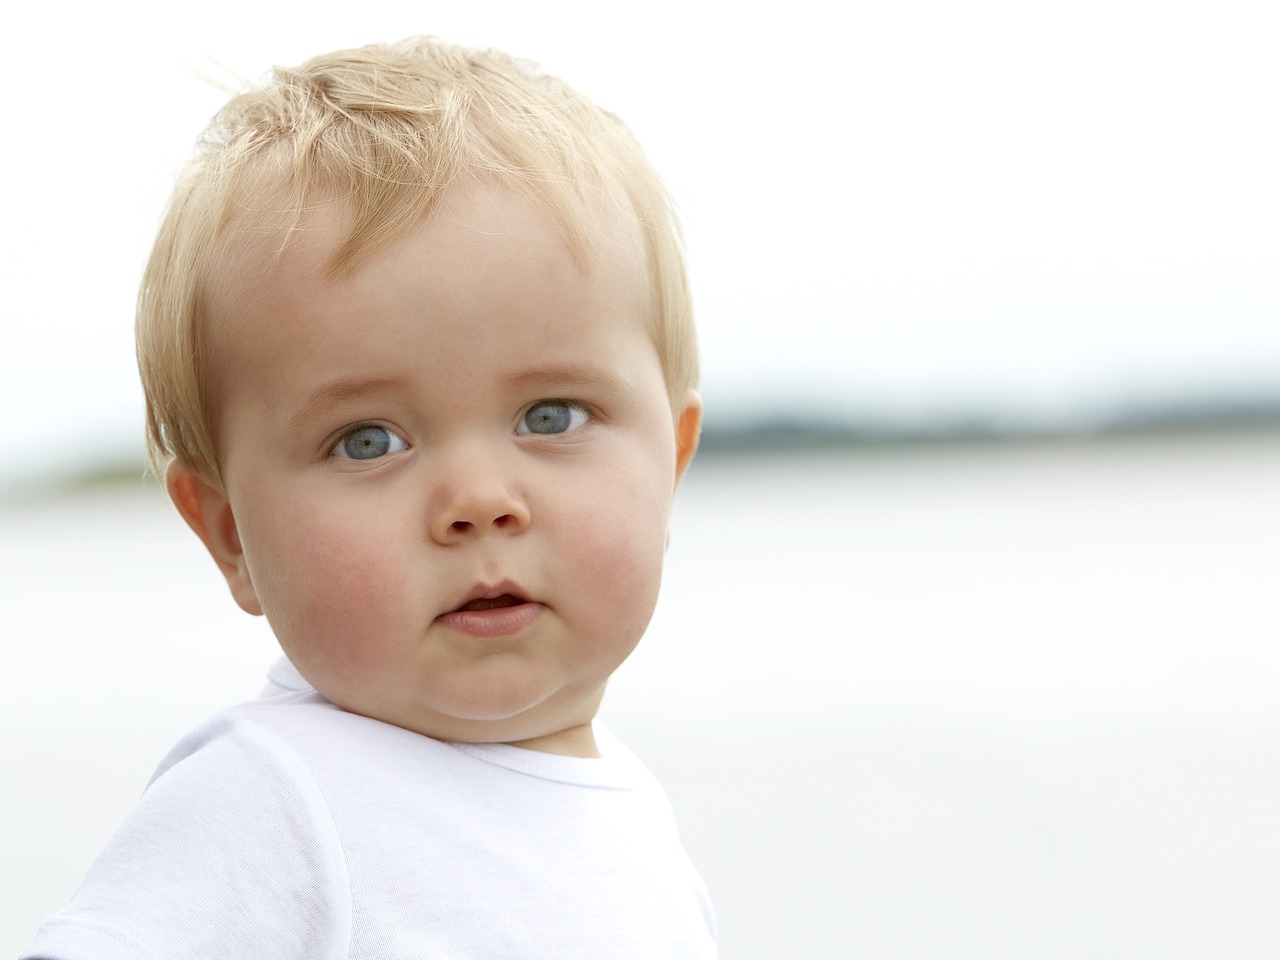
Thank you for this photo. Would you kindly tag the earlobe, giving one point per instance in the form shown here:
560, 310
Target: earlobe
208, 512
688, 430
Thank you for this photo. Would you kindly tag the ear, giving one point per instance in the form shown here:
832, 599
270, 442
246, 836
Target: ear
688, 430
207, 511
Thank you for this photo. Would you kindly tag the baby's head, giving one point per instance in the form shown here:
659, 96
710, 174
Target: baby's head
382, 132
416, 339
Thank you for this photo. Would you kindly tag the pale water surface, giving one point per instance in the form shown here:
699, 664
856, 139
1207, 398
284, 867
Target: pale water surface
1006, 701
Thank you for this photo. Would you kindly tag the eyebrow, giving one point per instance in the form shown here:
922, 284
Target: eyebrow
356, 388
568, 375
340, 391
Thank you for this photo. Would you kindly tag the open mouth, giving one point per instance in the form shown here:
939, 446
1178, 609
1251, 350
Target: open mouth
492, 603
491, 612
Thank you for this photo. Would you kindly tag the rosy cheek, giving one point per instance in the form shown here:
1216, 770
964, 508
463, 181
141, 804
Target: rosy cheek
338, 588
623, 560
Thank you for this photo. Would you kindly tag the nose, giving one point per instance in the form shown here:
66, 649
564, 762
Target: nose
478, 501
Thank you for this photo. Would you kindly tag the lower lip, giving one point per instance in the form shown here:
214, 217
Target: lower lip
498, 622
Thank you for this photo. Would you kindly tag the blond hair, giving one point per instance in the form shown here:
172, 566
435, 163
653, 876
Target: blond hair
388, 127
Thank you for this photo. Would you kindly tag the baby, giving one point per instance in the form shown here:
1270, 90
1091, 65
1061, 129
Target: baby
418, 353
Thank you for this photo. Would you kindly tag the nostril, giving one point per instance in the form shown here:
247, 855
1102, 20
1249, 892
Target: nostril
506, 522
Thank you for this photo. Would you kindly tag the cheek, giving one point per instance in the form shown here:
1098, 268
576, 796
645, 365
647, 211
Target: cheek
617, 550
324, 584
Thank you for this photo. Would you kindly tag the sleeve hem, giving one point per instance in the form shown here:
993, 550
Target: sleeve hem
69, 938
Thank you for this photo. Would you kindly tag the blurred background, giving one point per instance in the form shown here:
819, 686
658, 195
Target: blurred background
966, 648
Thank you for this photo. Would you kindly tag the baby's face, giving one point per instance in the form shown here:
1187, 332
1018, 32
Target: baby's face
447, 477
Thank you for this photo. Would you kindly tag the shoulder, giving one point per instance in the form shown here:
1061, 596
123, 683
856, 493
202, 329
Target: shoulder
231, 850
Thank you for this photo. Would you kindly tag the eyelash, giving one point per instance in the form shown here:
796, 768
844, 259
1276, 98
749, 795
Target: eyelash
575, 408
398, 443
395, 445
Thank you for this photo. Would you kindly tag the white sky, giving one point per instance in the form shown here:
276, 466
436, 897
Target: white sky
910, 207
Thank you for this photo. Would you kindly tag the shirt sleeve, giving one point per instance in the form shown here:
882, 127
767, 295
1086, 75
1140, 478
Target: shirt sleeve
230, 852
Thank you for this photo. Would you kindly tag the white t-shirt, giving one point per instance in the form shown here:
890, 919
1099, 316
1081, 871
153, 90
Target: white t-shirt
286, 827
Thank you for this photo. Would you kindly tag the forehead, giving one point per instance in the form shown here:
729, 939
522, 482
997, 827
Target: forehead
273, 276
269, 240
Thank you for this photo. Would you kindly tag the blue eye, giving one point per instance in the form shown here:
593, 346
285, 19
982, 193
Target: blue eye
551, 417
368, 443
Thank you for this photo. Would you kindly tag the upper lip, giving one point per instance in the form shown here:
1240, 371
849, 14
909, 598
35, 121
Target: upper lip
482, 591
